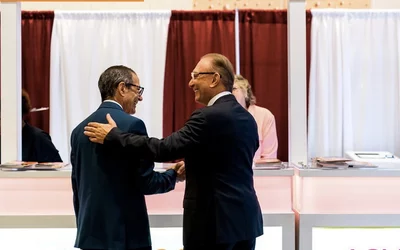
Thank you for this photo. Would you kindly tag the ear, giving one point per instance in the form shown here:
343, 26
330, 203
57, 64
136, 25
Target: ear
121, 89
215, 80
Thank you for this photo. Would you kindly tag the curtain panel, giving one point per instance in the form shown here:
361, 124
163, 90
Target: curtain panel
36, 32
191, 35
264, 62
354, 82
84, 44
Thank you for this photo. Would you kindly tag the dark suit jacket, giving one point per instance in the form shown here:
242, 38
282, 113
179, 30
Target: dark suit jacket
108, 187
37, 145
218, 144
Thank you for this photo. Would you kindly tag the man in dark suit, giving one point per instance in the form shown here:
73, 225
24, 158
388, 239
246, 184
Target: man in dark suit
109, 184
218, 142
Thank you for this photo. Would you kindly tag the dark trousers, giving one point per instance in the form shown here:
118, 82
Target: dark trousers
142, 248
240, 245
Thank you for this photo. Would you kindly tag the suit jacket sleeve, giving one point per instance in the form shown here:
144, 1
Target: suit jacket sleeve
150, 181
173, 147
74, 181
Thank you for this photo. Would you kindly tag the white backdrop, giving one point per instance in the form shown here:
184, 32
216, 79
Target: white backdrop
354, 95
83, 45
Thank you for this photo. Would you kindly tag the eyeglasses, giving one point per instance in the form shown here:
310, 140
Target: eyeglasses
194, 75
139, 88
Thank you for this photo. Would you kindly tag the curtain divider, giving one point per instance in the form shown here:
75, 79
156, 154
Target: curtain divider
237, 42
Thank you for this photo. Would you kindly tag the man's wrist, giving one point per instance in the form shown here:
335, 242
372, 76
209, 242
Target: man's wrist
109, 136
174, 170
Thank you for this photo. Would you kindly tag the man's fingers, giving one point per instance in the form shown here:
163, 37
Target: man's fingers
88, 133
110, 120
94, 124
181, 170
95, 140
180, 164
90, 129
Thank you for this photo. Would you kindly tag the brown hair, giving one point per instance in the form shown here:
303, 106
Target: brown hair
26, 103
243, 84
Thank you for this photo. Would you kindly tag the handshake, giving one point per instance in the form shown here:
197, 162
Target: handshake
179, 168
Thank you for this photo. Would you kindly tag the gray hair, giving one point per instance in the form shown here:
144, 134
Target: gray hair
224, 68
110, 79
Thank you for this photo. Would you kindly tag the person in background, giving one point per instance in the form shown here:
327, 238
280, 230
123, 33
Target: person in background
108, 184
36, 144
264, 118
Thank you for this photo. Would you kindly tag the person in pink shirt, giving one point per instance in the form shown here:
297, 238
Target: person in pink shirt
264, 118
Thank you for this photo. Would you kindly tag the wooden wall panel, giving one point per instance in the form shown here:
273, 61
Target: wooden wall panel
277, 4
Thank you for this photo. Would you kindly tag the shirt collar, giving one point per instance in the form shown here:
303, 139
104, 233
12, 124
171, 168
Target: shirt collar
216, 97
114, 102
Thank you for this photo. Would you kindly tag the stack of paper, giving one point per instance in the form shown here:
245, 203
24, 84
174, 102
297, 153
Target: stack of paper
270, 164
340, 163
23, 165
331, 162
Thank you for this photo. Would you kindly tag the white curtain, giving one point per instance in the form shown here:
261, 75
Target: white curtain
354, 82
83, 45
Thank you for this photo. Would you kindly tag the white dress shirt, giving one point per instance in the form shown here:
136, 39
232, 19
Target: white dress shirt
113, 102
216, 97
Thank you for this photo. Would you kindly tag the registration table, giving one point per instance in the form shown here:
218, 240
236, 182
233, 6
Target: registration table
36, 211
347, 209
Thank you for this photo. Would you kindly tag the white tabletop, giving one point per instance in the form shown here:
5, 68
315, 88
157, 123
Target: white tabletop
66, 172
349, 172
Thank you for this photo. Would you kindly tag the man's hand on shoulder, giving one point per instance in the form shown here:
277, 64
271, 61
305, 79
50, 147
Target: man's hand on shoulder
179, 168
97, 132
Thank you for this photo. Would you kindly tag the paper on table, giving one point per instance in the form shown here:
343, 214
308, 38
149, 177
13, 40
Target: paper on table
39, 109
268, 168
21, 166
331, 159
17, 164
